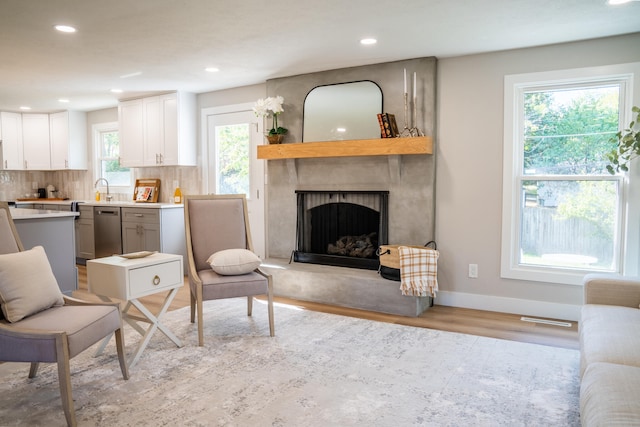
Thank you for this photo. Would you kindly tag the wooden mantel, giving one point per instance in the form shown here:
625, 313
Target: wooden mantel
351, 148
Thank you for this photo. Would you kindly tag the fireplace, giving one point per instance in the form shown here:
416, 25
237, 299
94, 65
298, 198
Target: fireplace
341, 228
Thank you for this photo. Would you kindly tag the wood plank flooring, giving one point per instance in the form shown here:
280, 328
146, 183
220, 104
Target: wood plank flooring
452, 319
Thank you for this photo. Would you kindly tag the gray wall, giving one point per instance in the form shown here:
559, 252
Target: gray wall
469, 177
411, 198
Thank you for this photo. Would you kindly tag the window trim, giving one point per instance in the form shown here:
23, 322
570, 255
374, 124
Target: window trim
97, 130
514, 88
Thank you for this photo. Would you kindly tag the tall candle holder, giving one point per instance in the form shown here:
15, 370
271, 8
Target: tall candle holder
414, 130
406, 132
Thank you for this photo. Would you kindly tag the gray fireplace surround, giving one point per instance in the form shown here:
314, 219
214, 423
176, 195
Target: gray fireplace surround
410, 180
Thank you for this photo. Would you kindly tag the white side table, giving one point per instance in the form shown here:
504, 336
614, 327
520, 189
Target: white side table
130, 279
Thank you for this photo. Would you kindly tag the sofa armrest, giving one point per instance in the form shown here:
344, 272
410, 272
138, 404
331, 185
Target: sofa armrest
610, 289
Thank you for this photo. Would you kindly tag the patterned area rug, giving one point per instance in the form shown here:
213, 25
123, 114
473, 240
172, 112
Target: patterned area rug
319, 370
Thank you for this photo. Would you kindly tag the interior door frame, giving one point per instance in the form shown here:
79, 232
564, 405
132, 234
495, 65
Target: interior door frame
204, 150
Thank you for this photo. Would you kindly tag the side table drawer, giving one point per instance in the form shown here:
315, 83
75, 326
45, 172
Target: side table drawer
154, 278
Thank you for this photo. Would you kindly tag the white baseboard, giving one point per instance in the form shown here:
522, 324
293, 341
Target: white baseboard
509, 305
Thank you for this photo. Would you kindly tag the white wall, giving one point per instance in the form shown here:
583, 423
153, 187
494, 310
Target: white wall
469, 174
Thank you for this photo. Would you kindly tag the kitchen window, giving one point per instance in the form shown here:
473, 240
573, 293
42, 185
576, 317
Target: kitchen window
563, 213
107, 159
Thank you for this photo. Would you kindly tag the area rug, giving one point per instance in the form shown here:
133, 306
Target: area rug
319, 370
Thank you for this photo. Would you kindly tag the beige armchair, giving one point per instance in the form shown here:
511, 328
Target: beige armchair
38, 323
216, 223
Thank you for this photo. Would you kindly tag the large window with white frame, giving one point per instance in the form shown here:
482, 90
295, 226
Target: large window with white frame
563, 213
107, 158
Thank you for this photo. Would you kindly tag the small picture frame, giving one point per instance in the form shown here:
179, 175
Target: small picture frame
146, 190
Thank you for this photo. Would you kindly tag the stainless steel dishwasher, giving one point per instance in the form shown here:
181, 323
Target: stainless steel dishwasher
107, 231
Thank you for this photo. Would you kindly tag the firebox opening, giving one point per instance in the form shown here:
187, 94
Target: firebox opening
341, 228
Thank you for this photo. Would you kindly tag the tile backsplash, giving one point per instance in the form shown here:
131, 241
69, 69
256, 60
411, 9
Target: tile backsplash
79, 185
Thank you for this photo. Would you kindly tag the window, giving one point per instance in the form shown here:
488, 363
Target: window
107, 158
563, 213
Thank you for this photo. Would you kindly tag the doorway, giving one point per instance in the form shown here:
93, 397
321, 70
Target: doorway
232, 165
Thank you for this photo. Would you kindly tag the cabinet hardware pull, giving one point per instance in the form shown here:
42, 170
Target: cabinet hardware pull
156, 280
139, 215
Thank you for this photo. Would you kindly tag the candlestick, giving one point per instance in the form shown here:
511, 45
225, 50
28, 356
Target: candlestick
414, 86
405, 80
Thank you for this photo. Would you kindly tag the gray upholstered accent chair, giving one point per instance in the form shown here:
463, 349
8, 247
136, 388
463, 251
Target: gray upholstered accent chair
50, 335
215, 223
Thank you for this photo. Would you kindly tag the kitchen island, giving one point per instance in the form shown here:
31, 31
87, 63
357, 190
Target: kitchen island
55, 231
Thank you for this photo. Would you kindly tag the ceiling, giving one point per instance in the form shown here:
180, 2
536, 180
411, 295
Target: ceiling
150, 46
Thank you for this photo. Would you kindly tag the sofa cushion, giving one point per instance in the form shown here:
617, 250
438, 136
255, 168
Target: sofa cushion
609, 333
609, 395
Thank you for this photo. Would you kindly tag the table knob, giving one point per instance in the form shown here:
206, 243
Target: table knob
156, 280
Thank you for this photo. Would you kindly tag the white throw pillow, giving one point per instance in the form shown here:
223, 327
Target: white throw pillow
232, 262
27, 284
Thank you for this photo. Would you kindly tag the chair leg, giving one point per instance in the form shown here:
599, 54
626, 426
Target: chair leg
33, 370
272, 328
249, 305
200, 320
193, 307
64, 378
121, 355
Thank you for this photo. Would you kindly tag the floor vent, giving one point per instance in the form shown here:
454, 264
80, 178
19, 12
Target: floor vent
546, 322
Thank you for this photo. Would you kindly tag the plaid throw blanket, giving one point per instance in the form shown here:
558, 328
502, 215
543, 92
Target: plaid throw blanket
418, 271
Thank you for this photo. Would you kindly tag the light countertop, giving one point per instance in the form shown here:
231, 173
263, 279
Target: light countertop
115, 203
19, 214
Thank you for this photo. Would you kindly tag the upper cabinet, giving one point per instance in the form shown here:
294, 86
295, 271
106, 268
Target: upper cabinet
12, 158
158, 130
33, 141
68, 137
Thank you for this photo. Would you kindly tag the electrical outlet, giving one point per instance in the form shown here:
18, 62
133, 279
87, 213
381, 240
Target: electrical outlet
473, 271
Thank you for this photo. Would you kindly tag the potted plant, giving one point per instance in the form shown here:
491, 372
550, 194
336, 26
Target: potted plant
273, 106
627, 146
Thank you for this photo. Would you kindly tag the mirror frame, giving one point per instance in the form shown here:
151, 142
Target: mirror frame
365, 117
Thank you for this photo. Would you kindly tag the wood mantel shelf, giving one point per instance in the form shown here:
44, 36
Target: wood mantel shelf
351, 148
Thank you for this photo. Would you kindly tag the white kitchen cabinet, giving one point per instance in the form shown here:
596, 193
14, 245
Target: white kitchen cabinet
131, 133
12, 158
68, 138
85, 239
158, 130
35, 142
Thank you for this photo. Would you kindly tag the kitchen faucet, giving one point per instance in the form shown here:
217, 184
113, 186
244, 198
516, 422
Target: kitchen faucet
107, 182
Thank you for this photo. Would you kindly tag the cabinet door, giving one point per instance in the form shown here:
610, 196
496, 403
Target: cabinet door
12, 158
85, 241
35, 141
68, 136
131, 131
140, 237
153, 137
171, 146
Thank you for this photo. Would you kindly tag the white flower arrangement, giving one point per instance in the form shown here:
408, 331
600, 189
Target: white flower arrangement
273, 106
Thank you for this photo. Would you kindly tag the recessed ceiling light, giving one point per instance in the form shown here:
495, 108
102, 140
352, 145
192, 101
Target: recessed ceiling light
63, 100
24, 107
341, 130
212, 69
368, 41
116, 90
126, 76
65, 28
617, 2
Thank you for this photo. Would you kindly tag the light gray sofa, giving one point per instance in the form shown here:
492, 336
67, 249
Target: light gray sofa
610, 351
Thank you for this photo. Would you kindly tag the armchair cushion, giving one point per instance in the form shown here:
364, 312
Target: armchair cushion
233, 262
27, 284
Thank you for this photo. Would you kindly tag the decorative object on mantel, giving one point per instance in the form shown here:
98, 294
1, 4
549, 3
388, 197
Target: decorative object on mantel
273, 106
413, 131
627, 146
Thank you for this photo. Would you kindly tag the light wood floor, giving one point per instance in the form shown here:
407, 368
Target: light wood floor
467, 321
